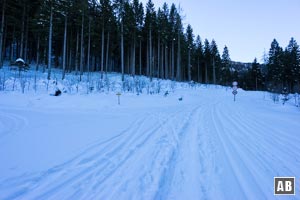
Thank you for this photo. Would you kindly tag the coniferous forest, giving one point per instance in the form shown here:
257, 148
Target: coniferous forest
131, 38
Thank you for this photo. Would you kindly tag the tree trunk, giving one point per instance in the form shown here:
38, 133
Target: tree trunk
37, 53
12, 45
107, 54
44, 59
158, 55
4, 42
81, 47
154, 60
206, 73
178, 59
76, 53
23, 27
198, 70
189, 65
172, 61
50, 42
1, 33
162, 62
256, 83
140, 57
150, 53
133, 57
89, 51
128, 60
214, 71
147, 59
166, 62
102, 50
70, 53
26, 41
122, 51
65, 48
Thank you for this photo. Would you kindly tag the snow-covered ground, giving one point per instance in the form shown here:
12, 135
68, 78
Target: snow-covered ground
86, 146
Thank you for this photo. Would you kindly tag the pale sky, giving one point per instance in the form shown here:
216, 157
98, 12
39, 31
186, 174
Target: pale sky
246, 27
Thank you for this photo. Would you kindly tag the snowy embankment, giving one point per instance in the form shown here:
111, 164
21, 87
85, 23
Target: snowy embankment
86, 146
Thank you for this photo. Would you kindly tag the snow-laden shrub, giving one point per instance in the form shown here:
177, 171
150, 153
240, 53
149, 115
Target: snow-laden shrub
297, 99
36, 81
275, 97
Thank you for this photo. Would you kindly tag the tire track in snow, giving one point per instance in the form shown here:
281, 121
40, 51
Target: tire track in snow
208, 156
82, 162
273, 145
232, 178
250, 149
262, 152
196, 165
91, 164
277, 137
171, 174
150, 162
11, 123
241, 166
154, 132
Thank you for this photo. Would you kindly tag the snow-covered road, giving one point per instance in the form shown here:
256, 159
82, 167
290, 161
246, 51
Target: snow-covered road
150, 147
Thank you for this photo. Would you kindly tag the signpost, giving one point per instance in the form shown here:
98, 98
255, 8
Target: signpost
118, 94
234, 88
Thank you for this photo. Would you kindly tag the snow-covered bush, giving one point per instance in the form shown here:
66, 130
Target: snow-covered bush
36, 81
275, 97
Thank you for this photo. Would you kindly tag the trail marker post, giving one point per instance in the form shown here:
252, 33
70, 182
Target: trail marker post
118, 94
234, 89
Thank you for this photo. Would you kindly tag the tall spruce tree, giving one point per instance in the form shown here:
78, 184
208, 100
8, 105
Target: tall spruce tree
199, 58
172, 34
215, 60
179, 29
2, 31
225, 75
275, 67
292, 66
149, 27
190, 44
138, 15
256, 75
207, 60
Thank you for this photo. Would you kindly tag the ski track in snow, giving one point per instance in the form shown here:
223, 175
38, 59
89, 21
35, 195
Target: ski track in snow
11, 123
197, 151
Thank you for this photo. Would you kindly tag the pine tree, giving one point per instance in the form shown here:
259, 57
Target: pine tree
65, 6
215, 60
138, 16
275, 67
149, 27
225, 75
292, 65
2, 31
171, 33
81, 62
178, 28
119, 5
50, 40
207, 59
256, 75
190, 43
160, 34
199, 58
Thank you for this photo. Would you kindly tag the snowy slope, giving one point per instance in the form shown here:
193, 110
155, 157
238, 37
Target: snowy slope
79, 146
